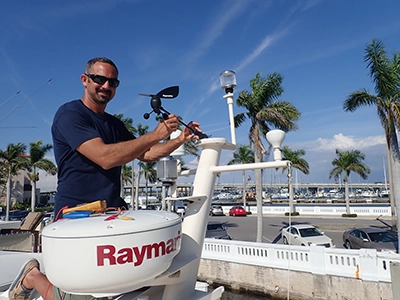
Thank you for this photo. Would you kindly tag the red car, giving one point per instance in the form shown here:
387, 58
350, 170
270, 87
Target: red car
237, 211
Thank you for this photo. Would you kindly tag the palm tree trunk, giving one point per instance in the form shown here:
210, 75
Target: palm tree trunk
8, 197
395, 173
259, 201
147, 189
346, 196
133, 184
137, 189
244, 189
33, 195
395, 161
391, 188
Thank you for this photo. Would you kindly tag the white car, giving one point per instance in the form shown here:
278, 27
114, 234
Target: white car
305, 235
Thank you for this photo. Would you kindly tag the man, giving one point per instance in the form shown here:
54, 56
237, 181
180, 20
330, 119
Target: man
90, 146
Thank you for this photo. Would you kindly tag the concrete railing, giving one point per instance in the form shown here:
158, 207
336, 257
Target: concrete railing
364, 268
365, 264
336, 210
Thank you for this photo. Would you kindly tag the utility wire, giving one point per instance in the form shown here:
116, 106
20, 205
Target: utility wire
10, 98
18, 105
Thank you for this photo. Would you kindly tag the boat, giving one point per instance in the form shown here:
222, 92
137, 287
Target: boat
144, 254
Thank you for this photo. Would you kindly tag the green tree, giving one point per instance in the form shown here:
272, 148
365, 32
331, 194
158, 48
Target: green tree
37, 151
126, 175
140, 130
150, 174
265, 112
294, 156
346, 162
14, 159
243, 155
384, 73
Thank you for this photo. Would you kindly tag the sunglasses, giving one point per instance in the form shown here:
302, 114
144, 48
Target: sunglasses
113, 82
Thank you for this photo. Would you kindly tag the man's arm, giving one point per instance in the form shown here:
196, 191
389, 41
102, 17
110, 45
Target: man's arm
165, 149
146, 147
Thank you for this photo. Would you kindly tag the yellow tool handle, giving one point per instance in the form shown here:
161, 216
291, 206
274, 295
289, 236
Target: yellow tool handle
99, 205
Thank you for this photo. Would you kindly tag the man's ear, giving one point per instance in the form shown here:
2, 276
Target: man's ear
84, 79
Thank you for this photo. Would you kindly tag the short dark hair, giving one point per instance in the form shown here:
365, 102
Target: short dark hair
91, 62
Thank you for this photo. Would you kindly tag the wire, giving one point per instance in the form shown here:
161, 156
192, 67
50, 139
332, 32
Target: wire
18, 105
9, 98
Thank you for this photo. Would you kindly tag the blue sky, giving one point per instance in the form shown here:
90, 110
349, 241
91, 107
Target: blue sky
317, 46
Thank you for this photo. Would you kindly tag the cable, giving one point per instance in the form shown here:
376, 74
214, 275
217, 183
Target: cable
9, 98
18, 105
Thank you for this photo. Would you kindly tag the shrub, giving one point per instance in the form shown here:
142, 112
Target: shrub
295, 213
349, 215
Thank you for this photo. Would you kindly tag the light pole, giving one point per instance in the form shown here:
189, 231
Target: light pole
228, 84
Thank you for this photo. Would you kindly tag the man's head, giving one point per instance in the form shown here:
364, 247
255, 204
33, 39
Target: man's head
100, 81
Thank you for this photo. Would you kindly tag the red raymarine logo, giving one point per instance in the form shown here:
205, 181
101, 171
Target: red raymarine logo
136, 255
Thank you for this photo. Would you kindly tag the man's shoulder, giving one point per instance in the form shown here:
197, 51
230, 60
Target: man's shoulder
71, 105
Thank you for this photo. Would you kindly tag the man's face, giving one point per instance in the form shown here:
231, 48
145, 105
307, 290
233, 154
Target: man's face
100, 93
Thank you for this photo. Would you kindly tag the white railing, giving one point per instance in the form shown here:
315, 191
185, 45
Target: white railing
321, 210
364, 264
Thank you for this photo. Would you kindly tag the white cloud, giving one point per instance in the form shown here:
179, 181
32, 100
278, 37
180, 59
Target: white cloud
340, 141
46, 182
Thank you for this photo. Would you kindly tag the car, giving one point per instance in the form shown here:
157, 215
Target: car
305, 235
15, 215
237, 211
371, 237
181, 210
151, 207
217, 230
216, 210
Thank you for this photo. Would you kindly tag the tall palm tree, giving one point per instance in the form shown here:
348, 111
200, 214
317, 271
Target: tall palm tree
127, 175
140, 130
37, 151
243, 155
265, 112
294, 156
384, 72
14, 160
128, 124
150, 174
346, 162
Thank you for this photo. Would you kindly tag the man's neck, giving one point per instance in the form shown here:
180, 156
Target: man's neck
96, 107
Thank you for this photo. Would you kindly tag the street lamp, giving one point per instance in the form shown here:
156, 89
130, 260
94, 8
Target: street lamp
228, 84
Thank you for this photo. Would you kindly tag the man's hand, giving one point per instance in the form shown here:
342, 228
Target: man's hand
166, 127
187, 134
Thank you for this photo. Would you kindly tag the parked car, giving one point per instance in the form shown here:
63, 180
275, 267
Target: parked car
305, 235
15, 215
217, 230
237, 211
180, 210
151, 207
371, 237
216, 210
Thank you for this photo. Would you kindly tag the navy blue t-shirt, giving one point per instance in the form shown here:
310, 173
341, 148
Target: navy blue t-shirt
79, 179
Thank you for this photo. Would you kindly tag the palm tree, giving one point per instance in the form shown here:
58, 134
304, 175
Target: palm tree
265, 112
127, 175
346, 162
243, 155
150, 174
140, 130
14, 160
37, 161
128, 124
294, 156
384, 72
